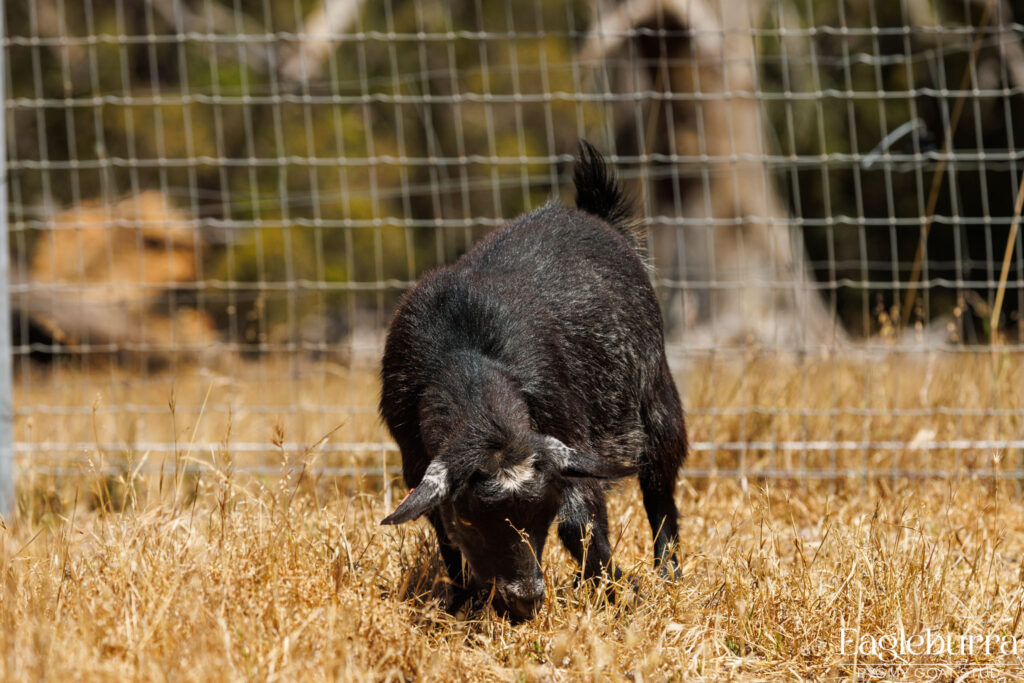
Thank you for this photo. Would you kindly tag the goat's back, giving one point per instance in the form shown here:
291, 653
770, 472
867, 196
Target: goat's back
562, 300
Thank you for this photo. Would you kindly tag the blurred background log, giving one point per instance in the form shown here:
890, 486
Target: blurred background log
735, 266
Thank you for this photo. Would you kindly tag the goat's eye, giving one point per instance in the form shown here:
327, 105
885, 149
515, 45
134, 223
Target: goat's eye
465, 522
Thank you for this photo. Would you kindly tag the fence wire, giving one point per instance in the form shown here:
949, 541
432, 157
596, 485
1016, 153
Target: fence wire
215, 205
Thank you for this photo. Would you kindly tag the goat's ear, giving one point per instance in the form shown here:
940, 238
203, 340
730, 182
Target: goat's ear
570, 462
424, 497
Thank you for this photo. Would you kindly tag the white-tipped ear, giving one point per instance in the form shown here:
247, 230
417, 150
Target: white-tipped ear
570, 462
424, 497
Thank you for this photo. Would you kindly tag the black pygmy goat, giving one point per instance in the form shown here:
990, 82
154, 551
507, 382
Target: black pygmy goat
519, 377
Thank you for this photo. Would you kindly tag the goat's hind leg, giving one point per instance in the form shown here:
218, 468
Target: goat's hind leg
659, 502
663, 454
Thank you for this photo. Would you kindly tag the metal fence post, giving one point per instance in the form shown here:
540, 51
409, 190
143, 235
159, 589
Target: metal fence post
6, 402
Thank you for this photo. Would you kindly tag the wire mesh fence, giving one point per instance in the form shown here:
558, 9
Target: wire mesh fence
214, 206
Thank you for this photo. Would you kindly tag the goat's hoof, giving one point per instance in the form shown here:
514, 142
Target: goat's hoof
604, 582
670, 570
454, 598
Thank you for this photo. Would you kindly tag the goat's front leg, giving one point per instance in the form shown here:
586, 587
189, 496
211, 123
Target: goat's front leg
584, 512
458, 584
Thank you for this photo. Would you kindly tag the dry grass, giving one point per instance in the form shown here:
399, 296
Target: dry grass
224, 575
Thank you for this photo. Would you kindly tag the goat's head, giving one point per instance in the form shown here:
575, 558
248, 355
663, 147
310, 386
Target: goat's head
496, 502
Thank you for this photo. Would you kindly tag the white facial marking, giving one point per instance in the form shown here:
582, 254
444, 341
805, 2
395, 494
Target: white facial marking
436, 476
531, 586
515, 478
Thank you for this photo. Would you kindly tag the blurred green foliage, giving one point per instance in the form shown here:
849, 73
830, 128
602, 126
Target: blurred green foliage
304, 189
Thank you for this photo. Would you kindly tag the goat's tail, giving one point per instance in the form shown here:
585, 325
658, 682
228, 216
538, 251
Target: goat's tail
598, 193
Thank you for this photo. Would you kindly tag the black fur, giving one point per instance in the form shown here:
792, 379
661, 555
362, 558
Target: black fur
599, 193
529, 369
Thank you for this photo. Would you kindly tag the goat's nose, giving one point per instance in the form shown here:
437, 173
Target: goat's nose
524, 608
523, 599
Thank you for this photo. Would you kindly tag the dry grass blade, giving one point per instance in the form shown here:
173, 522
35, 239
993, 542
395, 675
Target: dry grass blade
1011, 241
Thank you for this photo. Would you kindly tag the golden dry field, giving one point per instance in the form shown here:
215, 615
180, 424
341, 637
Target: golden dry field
117, 568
